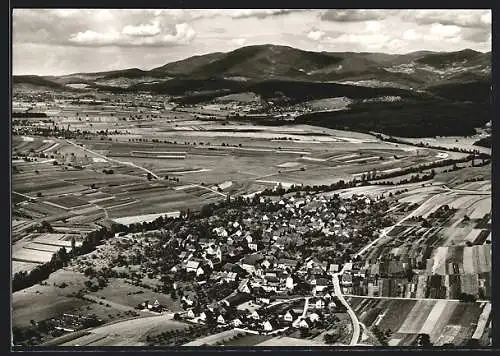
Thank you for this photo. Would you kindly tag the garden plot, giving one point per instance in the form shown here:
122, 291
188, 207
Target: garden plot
67, 201
482, 322
98, 197
477, 259
456, 235
281, 341
416, 317
441, 319
462, 201
314, 159
18, 266
481, 208
472, 235
289, 164
42, 247
34, 256
60, 240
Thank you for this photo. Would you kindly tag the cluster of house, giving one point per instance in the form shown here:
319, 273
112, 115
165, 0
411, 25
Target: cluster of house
71, 322
155, 307
263, 314
289, 226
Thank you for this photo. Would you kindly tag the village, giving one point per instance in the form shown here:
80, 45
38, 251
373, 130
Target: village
250, 265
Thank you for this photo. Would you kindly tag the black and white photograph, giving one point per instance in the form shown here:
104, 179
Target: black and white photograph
251, 178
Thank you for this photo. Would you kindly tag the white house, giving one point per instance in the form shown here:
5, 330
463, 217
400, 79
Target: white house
190, 314
254, 315
314, 317
192, 266
187, 300
289, 283
243, 287
236, 322
320, 303
199, 271
220, 319
266, 264
268, 326
303, 324
290, 316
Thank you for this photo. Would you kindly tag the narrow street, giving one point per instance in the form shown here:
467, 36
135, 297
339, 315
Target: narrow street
352, 315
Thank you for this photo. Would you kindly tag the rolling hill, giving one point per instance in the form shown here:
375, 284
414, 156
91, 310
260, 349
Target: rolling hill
437, 93
414, 70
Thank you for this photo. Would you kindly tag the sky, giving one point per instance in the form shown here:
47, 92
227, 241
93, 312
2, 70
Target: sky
63, 41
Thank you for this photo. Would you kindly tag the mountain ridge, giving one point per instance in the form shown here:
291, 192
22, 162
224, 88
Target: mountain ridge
414, 70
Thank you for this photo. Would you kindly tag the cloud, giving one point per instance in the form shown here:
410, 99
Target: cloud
148, 35
444, 31
95, 38
476, 35
183, 34
353, 15
411, 35
260, 13
316, 35
142, 30
360, 41
65, 39
462, 18
373, 26
239, 41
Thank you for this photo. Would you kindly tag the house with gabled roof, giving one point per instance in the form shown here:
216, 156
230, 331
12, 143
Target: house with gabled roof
220, 319
190, 314
314, 317
269, 325
254, 315
290, 316
236, 322
303, 324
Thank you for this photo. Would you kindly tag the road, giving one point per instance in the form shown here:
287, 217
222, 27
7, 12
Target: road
405, 298
131, 164
467, 191
125, 163
354, 319
304, 313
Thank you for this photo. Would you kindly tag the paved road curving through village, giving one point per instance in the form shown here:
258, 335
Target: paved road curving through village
352, 315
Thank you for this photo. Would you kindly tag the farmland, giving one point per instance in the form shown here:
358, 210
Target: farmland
445, 321
122, 201
89, 182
